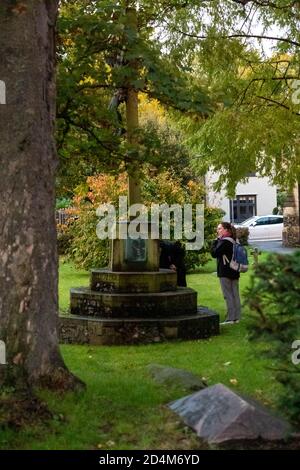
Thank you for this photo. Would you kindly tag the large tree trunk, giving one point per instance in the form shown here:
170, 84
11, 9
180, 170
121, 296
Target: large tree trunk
28, 257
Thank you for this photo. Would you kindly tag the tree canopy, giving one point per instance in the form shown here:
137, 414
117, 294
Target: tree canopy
225, 71
101, 57
247, 55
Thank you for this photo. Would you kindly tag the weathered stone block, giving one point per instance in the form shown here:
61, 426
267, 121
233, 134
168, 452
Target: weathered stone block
93, 330
171, 376
147, 259
217, 414
106, 281
139, 305
170, 332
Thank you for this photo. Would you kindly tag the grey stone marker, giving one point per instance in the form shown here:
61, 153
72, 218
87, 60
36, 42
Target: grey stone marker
171, 376
217, 415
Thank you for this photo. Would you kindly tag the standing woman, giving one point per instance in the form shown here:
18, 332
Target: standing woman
222, 249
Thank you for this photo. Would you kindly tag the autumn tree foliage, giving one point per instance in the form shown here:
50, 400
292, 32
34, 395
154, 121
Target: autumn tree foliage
88, 251
100, 58
225, 70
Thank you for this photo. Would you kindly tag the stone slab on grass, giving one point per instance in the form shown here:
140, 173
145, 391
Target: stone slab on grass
172, 376
217, 415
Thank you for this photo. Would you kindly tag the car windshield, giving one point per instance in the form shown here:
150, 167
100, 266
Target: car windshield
248, 221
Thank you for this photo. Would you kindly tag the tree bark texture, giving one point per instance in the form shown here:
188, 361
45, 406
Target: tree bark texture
28, 256
291, 219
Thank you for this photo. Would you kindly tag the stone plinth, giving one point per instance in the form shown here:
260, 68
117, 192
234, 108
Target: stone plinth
87, 302
134, 301
103, 331
134, 255
104, 280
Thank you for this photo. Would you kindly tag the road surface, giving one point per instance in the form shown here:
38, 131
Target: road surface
273, 246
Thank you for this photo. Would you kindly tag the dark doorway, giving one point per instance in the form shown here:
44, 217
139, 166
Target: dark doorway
242, 208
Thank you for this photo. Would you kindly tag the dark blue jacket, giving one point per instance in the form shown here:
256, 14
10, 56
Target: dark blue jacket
219, 249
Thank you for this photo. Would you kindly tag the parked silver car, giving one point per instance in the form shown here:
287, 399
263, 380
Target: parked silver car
264, 227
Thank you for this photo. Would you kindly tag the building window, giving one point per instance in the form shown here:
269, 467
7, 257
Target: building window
242, 207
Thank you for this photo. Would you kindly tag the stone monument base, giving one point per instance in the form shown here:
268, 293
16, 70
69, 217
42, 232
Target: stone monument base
116, 331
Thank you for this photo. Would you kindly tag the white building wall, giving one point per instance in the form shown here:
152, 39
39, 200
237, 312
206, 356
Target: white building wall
265, 192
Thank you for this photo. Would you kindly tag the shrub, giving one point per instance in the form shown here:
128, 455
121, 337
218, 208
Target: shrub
281, 200
242, 234
193, 259
64, 239
63, 203
64, 231
274, 300
86, 249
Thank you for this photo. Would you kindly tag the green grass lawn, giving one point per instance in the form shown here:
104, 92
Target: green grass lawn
69, 277
122, 407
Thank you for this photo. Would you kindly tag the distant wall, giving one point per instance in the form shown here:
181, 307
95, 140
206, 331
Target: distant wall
265, 192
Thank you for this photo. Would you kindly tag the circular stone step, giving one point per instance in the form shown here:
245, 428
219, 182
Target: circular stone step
109, 331
87, 302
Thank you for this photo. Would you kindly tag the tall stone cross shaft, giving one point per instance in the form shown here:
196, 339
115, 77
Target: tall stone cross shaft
134, 187
132, 119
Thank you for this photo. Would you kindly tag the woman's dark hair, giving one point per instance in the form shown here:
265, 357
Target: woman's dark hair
230, 228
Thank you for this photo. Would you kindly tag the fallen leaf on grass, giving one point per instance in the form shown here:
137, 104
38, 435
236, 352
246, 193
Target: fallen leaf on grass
233, 381
110, 443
